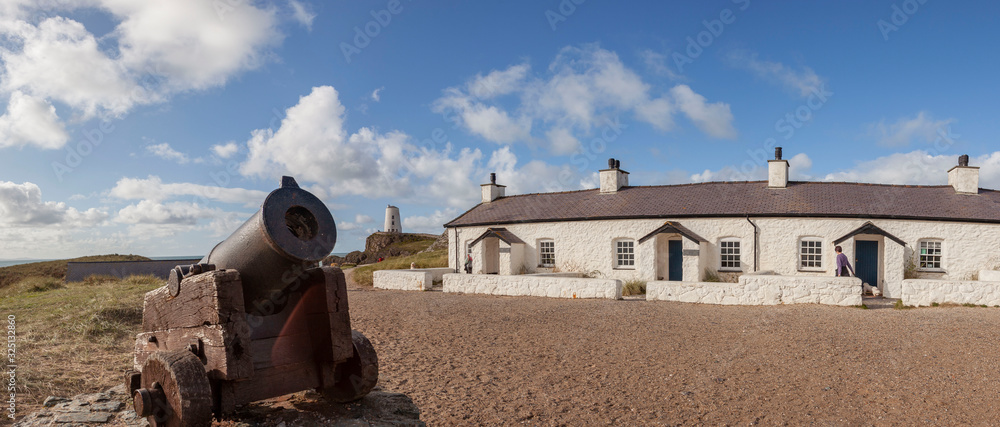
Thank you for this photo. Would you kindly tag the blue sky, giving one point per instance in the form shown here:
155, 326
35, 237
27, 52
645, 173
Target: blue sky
157, 127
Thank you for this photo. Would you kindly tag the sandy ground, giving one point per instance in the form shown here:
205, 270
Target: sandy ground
471, 359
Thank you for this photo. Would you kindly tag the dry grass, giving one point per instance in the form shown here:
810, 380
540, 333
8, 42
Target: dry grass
54, 269
73, 338
365, 276
634, 287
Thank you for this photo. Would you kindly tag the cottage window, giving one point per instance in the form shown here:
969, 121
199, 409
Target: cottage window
625, 253
810, 254
729, 255
930, 254
547, 253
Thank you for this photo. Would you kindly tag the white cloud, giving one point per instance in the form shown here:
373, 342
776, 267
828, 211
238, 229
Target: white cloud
584, 88
432, 224
917, 167
363, 219
799, 168
714, 119
31, 121
166, 152
376, 94
804, 81
907, 130
302, 13
153, 188
156, 49
657, 63
226, 150
22, 205
150, 212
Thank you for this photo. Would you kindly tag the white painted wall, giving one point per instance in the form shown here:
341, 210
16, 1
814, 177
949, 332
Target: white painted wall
917, 292
533, 285
588, 246
756, 289
989, 275
405, 280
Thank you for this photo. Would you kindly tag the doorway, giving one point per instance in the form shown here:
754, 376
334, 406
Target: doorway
866, 261
675, 256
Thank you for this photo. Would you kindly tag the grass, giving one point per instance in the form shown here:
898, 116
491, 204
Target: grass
900, 306
862, 306
634, 287
73, 338
412, 246
365, 276
54, 269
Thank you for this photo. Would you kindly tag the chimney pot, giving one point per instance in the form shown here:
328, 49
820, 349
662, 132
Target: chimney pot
618, 164
777, 153
611, 163
963, 160
493, 178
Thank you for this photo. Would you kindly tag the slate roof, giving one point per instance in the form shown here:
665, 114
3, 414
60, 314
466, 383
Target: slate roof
739, 199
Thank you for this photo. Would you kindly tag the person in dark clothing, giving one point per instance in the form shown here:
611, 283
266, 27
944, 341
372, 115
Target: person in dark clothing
843, 265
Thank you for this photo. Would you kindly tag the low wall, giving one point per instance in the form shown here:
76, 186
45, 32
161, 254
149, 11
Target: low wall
556, 274
77, 271
533, 285
437, 274
989, 275
924, 292
761, 290
404, 280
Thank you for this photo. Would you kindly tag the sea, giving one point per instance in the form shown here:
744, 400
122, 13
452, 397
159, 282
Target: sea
10, 262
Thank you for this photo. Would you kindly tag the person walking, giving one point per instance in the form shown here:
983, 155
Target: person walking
843, 265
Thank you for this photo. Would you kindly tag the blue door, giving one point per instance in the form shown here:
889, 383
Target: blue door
676, 260
866, 261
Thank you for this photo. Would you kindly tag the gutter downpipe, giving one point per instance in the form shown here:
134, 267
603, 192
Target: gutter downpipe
756, 232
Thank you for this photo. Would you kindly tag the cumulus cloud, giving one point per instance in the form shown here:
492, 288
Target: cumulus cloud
156, 49
302, 13
150, 212
31, 121
154, 189
918, 167
432, 224
22, 205
804, 81
363, 219
226, 150
582, 88
799, 169
657, 63
313, 144
905, 130
166, 152
376, 94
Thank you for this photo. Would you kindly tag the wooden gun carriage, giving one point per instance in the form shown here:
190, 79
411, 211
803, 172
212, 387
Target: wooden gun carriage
252, 320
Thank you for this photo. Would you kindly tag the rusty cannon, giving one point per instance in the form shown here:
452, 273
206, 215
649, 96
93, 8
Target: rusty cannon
254, 319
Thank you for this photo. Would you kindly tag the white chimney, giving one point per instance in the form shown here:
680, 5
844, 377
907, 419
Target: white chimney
613, 178
963, 177
492, 191
777, 171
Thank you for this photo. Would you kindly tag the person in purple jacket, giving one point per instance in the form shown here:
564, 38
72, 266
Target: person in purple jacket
843, 265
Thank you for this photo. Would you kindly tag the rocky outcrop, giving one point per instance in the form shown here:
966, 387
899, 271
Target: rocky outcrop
384, 245
440, 244
113, 408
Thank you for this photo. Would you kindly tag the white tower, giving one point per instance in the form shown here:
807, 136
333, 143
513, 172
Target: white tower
393, 223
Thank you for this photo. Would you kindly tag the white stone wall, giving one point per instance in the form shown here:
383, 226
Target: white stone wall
533, 285
754, 289
404, 280
437, 274
588, 246
989, 275
924, 292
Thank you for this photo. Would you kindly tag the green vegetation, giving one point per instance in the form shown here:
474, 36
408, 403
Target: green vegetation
899, 305
54, 269
364, 276
634, 287
862, 306
73, 338
934, 304
411, 246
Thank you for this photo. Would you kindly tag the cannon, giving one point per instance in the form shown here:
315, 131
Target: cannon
254, 319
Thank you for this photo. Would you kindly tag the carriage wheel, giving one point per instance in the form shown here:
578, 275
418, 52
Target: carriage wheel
357, 376
174, 390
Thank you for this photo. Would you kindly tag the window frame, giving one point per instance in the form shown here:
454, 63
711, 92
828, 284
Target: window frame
542, 253
939, 255
819, 245
618, 255
738, 254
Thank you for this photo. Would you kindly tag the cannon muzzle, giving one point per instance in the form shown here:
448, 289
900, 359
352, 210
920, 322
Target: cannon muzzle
291, 232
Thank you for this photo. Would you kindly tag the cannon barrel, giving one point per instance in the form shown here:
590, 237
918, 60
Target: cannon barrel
291, 232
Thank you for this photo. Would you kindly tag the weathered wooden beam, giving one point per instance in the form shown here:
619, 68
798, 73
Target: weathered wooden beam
225, 349
277, 381
213, 298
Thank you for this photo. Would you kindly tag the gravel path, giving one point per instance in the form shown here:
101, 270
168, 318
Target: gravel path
508, 360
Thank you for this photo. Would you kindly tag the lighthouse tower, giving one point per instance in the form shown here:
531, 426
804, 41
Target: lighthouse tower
393, 223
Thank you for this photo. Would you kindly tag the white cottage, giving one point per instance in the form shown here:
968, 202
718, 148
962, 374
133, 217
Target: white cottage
720, 230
